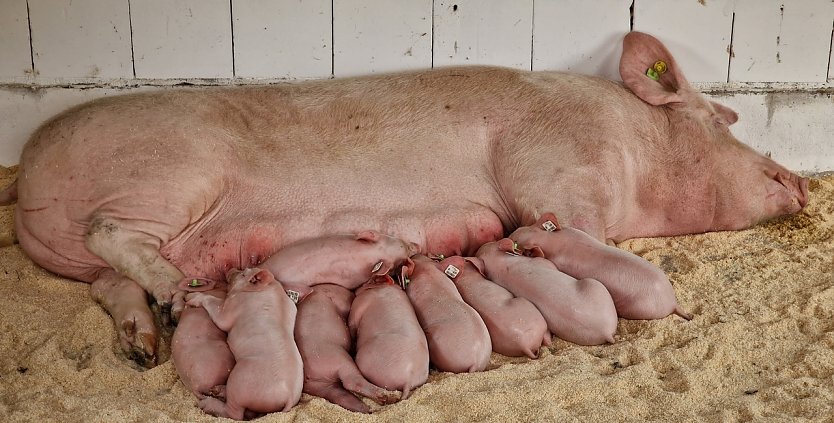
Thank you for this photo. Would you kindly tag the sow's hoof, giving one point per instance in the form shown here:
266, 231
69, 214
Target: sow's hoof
138, 339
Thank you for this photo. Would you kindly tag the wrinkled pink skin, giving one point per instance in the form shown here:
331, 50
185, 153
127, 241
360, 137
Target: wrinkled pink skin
391, 349
640, 290
457, 337
578, 311
344, 260
201, 355
324, 342
516, 327
198, 181
259, 318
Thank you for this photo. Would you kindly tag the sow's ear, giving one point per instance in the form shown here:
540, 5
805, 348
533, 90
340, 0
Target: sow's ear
641, 54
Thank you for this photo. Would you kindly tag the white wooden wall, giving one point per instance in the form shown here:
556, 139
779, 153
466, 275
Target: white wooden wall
44, 40
56, 46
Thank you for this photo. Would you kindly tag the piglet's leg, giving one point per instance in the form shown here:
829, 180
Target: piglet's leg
353, 381
127, 303
334, 393
135, 254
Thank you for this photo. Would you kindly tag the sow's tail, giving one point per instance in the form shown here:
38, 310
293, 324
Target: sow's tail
9, 195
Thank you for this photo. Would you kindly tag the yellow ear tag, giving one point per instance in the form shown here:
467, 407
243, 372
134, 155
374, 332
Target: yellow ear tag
659, 68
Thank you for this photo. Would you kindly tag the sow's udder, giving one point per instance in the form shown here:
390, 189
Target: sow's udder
226, 244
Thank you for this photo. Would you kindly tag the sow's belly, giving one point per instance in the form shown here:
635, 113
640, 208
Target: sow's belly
210, 248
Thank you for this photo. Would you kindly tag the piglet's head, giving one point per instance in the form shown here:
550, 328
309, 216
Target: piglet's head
251, 279
710, 174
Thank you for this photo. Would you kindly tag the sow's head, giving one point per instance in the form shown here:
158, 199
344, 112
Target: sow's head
748, 187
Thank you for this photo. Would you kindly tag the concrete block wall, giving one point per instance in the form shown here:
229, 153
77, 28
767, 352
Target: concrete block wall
769, 59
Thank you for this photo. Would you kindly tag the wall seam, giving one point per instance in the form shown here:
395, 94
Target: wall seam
432, 33
31, 42
332, 39
730, 49
232, 29
132, 54
533, 35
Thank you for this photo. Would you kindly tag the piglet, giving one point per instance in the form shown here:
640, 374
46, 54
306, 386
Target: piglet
259, 318
580, 311
516, 327
457, 337
198, 347
640, 289
391, 349
324, 342
345, 260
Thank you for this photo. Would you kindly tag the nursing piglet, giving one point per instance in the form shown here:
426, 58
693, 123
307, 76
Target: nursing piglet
345, 260
391, 348
457, 337
198, 347
324, 343
259, 318
516, 327
580, 311
640, 290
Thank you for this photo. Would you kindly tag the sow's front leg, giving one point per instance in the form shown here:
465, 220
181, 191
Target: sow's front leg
127, 303
135, 257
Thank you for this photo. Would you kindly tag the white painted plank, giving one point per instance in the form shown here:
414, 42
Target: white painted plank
182, 38
697, 33
282, 38
776, 40
81, 38
15, 55
580, 36
487, 32
831, 56
375, 36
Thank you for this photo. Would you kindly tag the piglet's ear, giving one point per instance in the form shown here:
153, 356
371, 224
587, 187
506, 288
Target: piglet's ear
506, 245
534, 251
478, 263
262, 278
650, 71
370, 236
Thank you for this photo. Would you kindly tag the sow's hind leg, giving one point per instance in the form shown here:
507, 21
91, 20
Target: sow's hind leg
135, 257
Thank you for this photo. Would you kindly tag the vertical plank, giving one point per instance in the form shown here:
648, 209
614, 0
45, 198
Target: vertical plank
697, 33
489, 32
15, 55
381, 36
775, 40
282, 38
580, 36
182, 38
831, 55
81, 38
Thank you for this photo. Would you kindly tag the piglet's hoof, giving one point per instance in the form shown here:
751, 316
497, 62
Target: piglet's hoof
138, 342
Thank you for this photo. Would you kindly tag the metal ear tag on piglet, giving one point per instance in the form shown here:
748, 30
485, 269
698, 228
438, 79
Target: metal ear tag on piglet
515, 251
451, 271
377, 267
294, 296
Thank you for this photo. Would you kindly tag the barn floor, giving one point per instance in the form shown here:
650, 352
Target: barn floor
760, 348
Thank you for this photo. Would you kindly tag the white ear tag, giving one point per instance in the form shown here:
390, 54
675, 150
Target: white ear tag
293, 296
377, 267
451, 271
549, 226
